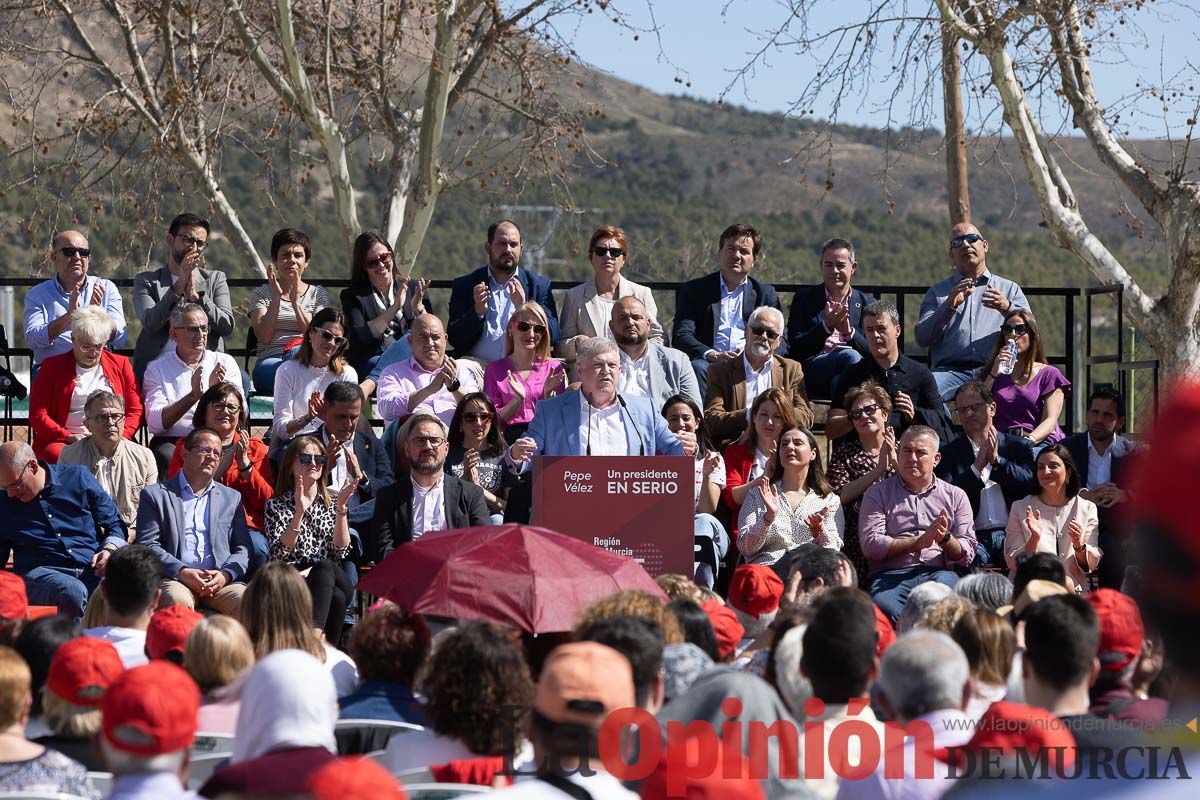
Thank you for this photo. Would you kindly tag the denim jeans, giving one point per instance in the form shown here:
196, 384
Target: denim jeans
706, 526
821, 370
890, 589
259, 550
989, 549
264, 375
700, 367
68, 589
949, 379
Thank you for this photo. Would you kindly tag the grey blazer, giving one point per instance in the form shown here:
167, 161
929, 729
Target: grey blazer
153, 302
160, 527
671, 373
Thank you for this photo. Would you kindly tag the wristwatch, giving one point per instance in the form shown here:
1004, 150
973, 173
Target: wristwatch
454, 386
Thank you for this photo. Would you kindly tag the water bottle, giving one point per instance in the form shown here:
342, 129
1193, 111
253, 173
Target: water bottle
1006, 367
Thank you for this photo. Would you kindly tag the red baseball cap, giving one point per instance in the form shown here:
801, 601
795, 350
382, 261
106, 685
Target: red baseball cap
151, 710
1121, 631
755, 590
169, 629
83, 669
725, 625
1012, 727
355, 778
887, 634
14, 602
728, 779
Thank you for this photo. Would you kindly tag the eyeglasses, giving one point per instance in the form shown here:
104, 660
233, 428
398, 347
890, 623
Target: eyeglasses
380, 260
88, 347
231, 408
70, 252
864, 411
1017, 330
20, 473
211, 452
526, 327
428, 441
312, 458
109, 419
473, 417
758, 330
615, 252
194, 329
968, 238
974, 408
331, 337
191, 241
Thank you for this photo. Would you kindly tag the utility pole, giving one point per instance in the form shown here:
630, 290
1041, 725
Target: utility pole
958, 191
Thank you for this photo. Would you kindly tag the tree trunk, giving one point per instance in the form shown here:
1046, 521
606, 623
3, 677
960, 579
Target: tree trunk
956, 145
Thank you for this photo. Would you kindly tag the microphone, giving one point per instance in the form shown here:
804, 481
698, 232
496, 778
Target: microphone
588, 397
636, 429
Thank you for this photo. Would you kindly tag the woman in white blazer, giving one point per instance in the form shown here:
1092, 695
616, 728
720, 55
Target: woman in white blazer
587, 308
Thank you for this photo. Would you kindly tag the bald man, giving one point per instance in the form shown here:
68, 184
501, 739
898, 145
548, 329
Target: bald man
429, 380
648, 369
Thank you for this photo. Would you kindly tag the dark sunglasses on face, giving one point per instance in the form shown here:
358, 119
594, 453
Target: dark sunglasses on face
615, 252
767, 332
379, 261
69, 252
864, 411
331, 337
473, 417
526, 327
969, 238
312, 458
1018, 330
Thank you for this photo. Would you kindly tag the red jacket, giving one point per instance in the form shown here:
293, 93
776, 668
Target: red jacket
50, 397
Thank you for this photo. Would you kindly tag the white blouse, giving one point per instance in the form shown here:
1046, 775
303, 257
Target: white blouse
294, 384
765, 544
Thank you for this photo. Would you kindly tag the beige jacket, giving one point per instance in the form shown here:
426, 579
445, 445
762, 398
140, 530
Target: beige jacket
583, 315
133, 470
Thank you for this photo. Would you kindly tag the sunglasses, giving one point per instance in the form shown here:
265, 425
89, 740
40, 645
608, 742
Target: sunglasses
312, 458
331, 337
864, 411
70, 252
379, 261
767, 332
1019, 330
967, 238
526, 327
472, 417
615, 252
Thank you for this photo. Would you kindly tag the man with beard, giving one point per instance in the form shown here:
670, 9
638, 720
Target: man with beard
733, 384
428, 381
482, 303
647, 368
430, 499
158, 292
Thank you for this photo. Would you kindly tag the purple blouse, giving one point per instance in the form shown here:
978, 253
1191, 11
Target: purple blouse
1021, 406
496, 387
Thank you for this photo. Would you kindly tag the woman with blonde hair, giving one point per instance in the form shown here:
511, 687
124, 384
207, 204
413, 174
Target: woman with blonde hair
217, 652
752, 455
299, 383
526, 374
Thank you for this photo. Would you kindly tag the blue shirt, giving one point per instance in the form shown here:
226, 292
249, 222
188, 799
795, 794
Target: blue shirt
48, 301
963, 337
383, 700
400, 350
197, 545
490, 346
64, 525
149, 786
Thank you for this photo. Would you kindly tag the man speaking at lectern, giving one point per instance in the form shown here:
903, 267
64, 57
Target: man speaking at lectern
596, 420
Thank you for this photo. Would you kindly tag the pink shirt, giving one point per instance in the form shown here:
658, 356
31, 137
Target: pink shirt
496, 387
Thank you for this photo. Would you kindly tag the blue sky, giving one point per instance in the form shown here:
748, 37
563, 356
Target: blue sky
705, 41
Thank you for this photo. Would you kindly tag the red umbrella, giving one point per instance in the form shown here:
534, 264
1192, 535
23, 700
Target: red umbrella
520, 575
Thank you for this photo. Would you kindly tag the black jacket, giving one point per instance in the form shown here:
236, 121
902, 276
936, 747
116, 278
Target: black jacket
698, 312
806, 322
392, 524
1014, 470
361, 305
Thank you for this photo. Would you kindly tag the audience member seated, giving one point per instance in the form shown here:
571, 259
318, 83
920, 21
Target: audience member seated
755, 593
795, 505
131, 591
994, 468
1038, 566
482, 302
168, 632
861, 461
476, 452
642, 643
649, 368
989, 590
960, 315
429, 381
198, 528
176, 380
354, 776
61, 525
911, 387
526, 374
308, 528
825, 321
216, 654
390, 647
49, 306
299, 382
64, 383
589, 306
751, 456
1122, 638
159, 293
713, 312
284, 730
81, 672
682, 414
923, 678
281, 309
914, 526
1055, 519
377, 305
988, 642
631, 603
244, 464
37, 643
477, 691
149, 726
28, 768
697, 632
1030, 398
121, 466
429, 499
277, 611
1103, 458
735, 383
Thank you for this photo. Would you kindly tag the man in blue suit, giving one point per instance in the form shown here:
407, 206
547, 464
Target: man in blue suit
482, 303
711, 312
198, 529
825, 322
596, 420
993, 468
